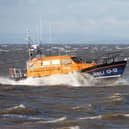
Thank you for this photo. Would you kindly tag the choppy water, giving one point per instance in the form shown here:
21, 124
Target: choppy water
32, 104
61, 102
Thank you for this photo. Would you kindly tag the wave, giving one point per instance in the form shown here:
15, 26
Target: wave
52, 121
116, 97
20, 110
115, 116
43, 120
122, 81
24, 113
109, 116
88, 107
34, 117
71, 79
70, 127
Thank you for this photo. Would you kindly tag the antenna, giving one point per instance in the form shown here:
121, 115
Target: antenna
50, 33
33, 49
40, 30
29, 42
49, 38
40, 39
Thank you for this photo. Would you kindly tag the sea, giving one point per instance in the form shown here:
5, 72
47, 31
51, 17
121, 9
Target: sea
62, 101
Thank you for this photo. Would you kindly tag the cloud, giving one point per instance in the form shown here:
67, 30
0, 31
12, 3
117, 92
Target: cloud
81, 17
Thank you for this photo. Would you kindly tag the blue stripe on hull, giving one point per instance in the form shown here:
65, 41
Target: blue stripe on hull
107, 72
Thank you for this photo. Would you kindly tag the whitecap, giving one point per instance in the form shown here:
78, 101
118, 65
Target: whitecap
53, 120
70, 127
20, 110
90, 117
72, 79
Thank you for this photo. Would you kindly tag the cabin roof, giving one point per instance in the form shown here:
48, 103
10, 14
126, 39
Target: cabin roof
50, 58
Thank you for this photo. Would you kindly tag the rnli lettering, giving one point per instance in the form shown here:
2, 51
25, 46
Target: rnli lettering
115, 70
101, 73
109, 71
104, 72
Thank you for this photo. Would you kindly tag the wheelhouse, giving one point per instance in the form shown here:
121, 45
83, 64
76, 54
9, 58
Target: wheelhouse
44, 66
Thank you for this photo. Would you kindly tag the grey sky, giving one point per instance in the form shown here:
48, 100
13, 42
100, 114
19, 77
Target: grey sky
64, 20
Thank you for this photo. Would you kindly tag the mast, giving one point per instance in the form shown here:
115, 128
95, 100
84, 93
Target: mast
29, 43
33, 49
40, 38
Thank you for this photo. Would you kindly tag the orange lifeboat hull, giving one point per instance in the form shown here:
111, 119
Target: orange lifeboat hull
47, 66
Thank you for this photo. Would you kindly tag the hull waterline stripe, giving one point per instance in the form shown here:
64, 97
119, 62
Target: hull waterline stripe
104, 67
109, 76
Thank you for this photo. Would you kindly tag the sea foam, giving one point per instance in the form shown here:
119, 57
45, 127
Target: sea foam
72, 79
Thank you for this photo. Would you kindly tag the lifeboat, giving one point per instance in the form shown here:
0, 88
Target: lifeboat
41, 66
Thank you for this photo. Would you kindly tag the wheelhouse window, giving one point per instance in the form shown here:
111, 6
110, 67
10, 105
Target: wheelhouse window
45, 63
76, 60
50, 62
55, 62
66, 61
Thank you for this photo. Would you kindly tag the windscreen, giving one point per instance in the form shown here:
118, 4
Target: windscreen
76, 60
